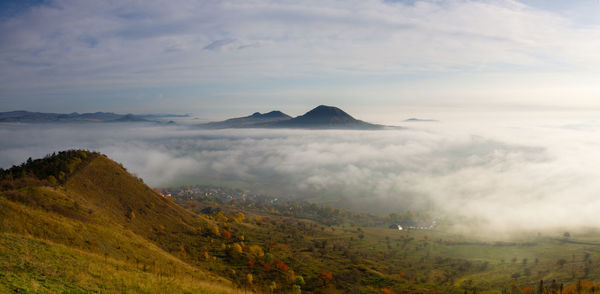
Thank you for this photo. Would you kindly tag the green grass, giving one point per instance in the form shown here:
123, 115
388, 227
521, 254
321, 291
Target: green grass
29, 265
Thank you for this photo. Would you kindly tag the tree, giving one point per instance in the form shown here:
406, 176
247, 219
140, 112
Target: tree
299, 280
236, 249
226, 234
269, 258
214, 229
296, 289
256, 251
240, 217
273, 286
326, 276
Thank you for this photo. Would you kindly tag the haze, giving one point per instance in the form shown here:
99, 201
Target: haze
506, 174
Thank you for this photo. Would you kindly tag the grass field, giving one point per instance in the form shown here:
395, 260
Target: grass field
30, 265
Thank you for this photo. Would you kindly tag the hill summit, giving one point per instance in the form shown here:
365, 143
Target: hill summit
321, 117
327, 117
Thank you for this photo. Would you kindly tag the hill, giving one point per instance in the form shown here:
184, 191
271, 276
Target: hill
77, 221
326, 117
41, 117
321, 117
254, 120
413, 119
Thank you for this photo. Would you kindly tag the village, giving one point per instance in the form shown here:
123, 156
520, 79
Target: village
230, 196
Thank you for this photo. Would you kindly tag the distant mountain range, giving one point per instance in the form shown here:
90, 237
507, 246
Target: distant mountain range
321, 117
41, 117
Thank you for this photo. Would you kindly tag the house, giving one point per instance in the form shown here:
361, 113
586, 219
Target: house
396, 226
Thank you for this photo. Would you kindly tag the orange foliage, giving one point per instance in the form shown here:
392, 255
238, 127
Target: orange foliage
326, 275
570, 289
387, 291
281, 265
226, 234
527, 290
583, 286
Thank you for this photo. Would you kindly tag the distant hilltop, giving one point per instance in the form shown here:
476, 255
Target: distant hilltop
42, 117
413, 119
321, 117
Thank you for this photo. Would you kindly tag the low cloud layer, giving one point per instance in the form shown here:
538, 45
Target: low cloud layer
512, 175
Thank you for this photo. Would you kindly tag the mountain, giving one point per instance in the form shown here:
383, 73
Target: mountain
413, 119
41, 117
326, 117
255, 120
77, 221
321, 117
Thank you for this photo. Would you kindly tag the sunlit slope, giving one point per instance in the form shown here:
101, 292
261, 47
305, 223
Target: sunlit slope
85, 224
111, 192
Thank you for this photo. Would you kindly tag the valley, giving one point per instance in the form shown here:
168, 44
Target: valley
76, 221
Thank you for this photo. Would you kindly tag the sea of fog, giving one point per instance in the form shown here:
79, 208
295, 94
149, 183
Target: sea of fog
506, 174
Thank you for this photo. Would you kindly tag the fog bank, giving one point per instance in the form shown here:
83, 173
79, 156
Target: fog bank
517, 174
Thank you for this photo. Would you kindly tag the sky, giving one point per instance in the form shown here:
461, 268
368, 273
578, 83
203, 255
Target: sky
374, 59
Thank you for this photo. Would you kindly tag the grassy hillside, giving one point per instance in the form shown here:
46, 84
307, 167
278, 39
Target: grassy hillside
78, 221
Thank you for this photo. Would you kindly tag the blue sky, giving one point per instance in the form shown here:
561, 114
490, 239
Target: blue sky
226, 58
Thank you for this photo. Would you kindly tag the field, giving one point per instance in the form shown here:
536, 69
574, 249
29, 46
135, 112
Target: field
364, 255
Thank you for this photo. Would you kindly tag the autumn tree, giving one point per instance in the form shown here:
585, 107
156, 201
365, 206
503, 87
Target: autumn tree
326, 276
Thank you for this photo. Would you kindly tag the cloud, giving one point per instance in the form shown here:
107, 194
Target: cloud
216, 45
517, 175
112, 46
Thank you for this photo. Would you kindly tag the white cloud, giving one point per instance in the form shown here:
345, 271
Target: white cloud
513, 174
72, 48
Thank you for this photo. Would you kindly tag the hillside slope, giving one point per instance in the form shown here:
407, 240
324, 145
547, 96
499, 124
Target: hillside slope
77, 221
